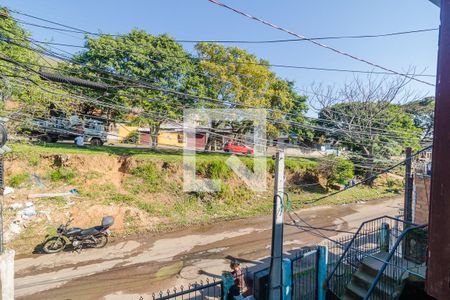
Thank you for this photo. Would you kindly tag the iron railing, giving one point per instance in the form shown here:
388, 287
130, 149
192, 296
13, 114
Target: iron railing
400, 263
202, 290
373, 236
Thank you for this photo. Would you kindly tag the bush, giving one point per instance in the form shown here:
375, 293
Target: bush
132, 138
62, 174
218, 169
18, 179
336, 170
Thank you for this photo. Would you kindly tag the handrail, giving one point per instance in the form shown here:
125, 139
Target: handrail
353, 240
391, 253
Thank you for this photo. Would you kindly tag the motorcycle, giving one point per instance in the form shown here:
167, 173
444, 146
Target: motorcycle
94, 237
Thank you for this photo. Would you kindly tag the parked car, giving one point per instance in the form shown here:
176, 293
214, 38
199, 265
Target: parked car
237, 148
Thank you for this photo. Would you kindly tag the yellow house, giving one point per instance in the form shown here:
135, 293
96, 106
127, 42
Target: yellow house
171, 138
124, 131
119, 132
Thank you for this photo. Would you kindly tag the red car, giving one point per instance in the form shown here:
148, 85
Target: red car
237, 148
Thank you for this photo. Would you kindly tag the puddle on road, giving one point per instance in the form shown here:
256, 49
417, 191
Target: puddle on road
64, 259
166, 249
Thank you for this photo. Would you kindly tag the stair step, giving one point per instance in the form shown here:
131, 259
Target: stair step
349, 297
355, 291
372, 264
365, 280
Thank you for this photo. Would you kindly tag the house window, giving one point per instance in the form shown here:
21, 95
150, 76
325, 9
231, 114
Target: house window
180, 138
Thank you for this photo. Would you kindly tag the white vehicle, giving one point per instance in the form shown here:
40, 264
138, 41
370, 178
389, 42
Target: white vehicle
58, 128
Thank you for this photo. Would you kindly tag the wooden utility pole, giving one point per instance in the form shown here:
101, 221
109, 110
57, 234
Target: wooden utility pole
276, 260
3, 149
407, 207
2, 191
438, 265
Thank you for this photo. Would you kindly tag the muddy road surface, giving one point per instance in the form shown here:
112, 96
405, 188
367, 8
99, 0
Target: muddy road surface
135, 267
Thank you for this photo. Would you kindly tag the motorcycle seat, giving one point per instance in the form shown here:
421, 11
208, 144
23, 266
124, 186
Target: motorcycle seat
74, 231
92, 231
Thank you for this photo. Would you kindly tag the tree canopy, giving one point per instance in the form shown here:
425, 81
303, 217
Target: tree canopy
19, 77
240, 80
423, 113
139, 67
366, 116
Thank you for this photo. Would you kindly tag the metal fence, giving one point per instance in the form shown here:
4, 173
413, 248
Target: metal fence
304, 274
203, 290
375, 236
344, 257
400, 262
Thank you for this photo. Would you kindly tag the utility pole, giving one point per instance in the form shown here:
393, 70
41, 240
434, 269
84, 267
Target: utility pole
3, 149
407, 207
2, 189
6, 257
276, 260
438, 264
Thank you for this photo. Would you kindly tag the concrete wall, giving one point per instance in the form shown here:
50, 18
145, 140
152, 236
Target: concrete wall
7, 275
421, 198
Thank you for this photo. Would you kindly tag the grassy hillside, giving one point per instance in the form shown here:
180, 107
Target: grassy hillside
143, 189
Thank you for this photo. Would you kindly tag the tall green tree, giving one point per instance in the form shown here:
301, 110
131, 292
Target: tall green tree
19, 78
13, 57
367, 118
239, 79
126, 60
423, 113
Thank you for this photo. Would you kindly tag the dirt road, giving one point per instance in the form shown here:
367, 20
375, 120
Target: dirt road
129, 269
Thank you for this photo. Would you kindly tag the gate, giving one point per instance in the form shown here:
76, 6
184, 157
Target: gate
309, 271
304, 275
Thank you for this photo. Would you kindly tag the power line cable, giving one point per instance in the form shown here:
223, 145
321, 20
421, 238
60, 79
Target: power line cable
73, 29
318, 43
360, 36
369, 179
157, 115
70, 60
315, 128
252, 107
287, 66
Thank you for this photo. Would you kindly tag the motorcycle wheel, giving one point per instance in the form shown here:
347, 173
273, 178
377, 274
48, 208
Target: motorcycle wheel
54, 245
102, 240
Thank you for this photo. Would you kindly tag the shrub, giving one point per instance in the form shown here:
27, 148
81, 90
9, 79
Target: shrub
218, 169
62, 174
336, 170
132, 137
18, 179
33, 160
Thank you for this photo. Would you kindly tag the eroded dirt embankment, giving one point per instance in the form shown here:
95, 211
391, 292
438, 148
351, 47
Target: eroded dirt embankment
143, 193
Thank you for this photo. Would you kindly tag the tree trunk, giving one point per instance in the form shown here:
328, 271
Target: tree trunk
211, 137
154, 131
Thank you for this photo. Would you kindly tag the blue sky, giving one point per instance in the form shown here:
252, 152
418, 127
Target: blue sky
199, 19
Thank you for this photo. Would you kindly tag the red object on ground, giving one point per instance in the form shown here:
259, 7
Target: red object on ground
238, 148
